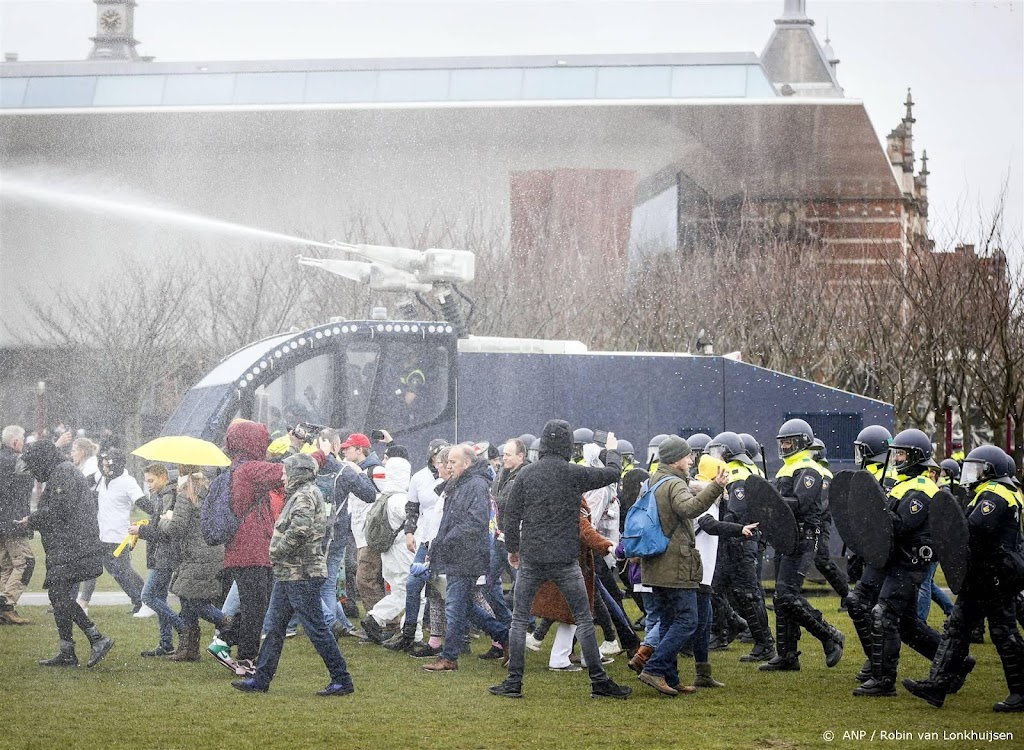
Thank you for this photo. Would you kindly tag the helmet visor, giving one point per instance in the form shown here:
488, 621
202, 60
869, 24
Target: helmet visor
972, 472
718, 451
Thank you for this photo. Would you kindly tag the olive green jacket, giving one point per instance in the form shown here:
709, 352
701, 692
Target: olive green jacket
679, 567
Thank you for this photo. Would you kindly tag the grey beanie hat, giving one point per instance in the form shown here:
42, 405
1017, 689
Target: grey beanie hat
672, 449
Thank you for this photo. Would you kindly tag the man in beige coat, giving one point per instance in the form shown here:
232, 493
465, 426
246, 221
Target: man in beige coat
675, 574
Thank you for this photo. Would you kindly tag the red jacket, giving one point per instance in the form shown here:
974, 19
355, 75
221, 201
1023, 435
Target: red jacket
253, 480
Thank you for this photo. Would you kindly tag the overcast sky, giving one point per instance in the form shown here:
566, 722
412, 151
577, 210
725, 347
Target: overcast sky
964, 60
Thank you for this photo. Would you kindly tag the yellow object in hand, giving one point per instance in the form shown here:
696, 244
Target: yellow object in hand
130, 540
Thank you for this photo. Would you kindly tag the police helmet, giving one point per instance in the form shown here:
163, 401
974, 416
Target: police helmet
582, 435
698, 443
951, 468
112, 462
658, 440
750, 446
652, 448
625, 448
871, 444
986, 462
797, 431
819, 451
527, 440
533, 450
727, 446
917, 446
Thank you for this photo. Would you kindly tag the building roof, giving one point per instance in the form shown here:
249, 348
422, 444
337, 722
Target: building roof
84, 85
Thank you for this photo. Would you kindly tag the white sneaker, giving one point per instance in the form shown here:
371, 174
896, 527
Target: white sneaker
532, 643
144, 611
610, 648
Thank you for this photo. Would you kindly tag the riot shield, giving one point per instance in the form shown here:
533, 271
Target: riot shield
838, 501
949, 531
961, 494
766, 506
867, 523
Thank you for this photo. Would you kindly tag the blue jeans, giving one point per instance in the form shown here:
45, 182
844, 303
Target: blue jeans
459, 610
678, 625
652, 621
301, 598
493, 591
702, 638
930, 592
569, 579
122, 571
193, 609
154, 596
232, 603
329, 591
414, 586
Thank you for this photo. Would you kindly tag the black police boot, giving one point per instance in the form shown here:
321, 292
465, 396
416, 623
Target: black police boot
1011, 704
833, 646
100, 645
65, 657
759, 653
865, 672
876, 688
789, 662
927, 690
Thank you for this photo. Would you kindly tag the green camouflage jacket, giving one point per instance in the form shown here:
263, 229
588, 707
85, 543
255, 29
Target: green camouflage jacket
295, 549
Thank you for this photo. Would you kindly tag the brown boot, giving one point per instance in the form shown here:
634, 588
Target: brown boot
639, 660
188, 646
11, 617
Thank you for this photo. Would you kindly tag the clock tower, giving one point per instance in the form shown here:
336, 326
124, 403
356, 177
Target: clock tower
115, 24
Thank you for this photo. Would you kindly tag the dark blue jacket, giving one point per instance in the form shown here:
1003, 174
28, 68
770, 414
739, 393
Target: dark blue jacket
462, 546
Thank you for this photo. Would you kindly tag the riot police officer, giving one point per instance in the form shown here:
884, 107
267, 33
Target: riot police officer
698, 442
628, 457
653, 459
580, 437
994, 521
736, 567
894, 615
799, 482
822, 554
754, 452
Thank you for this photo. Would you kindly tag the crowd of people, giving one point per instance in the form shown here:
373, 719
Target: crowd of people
301, 531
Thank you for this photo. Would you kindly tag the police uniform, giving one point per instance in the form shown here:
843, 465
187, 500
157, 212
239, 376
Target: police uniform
799, 481
736, 569
994, 521
894, 616
822, 554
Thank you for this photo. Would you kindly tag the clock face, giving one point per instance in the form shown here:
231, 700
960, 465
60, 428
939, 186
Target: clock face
110, 20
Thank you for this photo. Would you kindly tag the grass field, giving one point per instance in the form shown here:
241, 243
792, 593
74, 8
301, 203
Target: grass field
130, 702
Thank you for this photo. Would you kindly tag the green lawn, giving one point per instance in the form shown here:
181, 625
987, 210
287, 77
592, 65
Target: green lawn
130, 702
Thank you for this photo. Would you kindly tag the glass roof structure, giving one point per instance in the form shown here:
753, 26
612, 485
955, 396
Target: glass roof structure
87, 86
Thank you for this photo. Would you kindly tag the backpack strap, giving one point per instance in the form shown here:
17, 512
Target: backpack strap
658, 484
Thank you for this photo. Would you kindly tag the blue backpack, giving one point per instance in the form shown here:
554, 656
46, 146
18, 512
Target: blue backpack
642, 535
217, 522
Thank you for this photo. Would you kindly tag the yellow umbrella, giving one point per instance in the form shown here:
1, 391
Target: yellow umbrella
182, 449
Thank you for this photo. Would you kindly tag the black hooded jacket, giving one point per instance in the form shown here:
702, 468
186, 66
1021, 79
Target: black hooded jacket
541, 518
65, 517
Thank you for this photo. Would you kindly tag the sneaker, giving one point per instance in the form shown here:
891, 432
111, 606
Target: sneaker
495, 652
610, 648
337, 688
507, 689
566, 668
221, 651
245, 668
291, 632
143, 612
425, 651
249, 686
532, 643
609, 689
158, 651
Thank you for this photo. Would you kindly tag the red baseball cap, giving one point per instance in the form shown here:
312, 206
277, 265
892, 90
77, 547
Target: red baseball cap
357, 440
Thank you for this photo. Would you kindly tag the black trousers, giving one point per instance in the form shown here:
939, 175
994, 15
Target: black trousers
254, 587
66, 611
894, 619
